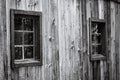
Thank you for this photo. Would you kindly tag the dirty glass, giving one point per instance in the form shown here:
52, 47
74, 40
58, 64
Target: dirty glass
18, 38
18, 52
23, 36
18, 23
28, 38
28, 52
28, 24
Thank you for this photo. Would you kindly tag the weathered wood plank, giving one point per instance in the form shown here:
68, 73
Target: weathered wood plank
108, 28
22, 73
94, 7
117, 40
27, 73
50, 38
101, 9
102, 70
10, 4
65, 39
70, 40
3, 64
112, 39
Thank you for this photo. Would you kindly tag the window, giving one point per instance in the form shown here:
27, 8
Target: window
97, 39
98, 48
26, 38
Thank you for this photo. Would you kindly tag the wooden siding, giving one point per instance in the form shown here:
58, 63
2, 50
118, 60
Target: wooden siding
3, 58
22, 73
65, 28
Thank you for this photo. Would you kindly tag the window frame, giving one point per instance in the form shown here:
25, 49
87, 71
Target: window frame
36, 62
97, 57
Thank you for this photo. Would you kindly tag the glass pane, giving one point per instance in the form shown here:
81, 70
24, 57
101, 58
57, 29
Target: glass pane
28, 38
18, 52
94, 49
18, 23
28, 52
18, 38
28, 24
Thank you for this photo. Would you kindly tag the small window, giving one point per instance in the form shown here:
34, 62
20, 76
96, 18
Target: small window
26, 38
97, 39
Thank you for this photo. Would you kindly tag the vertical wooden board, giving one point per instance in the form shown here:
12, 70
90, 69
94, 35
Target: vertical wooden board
38, 73
2, 26
45, 41
112, 52
54, 36
31, 73
64, 72
22, 73
101, 70
94, 9
101, 9
51, 51
61, 37
84, 38
117, 41
88, 16
108, 21
69, 39
77, 51
10, 4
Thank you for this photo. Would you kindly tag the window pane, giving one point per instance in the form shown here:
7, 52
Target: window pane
18, 52
28, 24
28, 52
18, 23
18, 38
28, 38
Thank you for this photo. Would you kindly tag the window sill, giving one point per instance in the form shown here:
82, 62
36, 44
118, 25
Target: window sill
27, 62
96, 57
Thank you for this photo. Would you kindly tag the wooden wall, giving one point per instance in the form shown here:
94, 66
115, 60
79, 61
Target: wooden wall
65, 31
2, 38
22, 73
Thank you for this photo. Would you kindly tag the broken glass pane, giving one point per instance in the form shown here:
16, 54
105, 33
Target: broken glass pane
18, 38
28, 38
18, 52
28, 52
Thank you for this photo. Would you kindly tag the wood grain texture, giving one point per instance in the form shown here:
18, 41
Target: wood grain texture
65, 39
72, 53
50, 40
23, 73
3, 63
112, 39
117, 41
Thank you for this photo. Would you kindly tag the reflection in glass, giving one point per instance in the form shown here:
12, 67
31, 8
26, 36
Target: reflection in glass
28, 24
18, 52
28, 52
28, 38
18, 23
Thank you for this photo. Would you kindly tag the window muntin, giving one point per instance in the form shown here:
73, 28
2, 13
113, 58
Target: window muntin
98, 43
97, 39
24, 37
